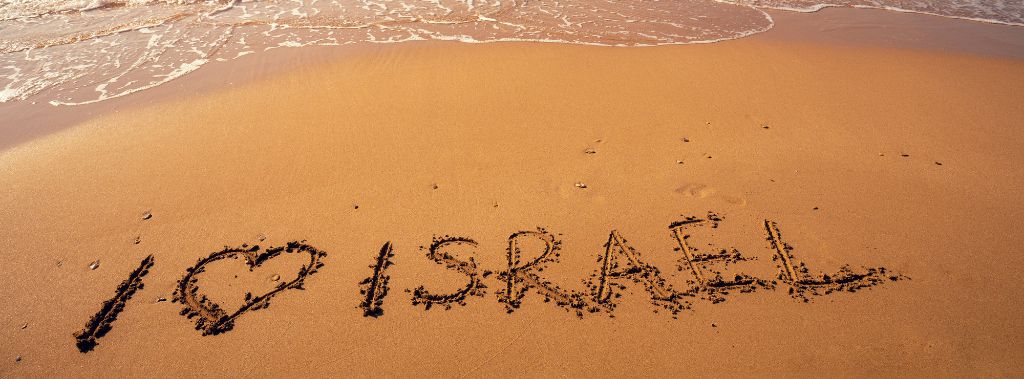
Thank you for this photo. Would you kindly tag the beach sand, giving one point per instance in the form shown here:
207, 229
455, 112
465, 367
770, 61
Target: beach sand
867, 151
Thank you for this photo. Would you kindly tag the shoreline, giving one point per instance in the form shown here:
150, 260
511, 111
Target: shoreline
877, 28
30, 119
821, 7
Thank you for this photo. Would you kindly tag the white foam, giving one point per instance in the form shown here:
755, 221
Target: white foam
185, 68
8, 94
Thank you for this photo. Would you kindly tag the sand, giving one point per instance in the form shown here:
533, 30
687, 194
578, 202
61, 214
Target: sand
889, 155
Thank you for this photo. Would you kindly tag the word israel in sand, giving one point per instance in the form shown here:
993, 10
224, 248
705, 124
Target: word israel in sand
617, 268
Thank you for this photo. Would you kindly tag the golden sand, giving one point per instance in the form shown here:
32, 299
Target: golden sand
892, 157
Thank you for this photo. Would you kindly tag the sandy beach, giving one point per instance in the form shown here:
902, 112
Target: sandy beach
825, 198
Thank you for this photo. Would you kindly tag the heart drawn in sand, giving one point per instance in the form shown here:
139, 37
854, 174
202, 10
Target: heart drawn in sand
211, 319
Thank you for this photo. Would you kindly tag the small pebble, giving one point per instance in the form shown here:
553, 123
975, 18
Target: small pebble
262, 237
17, 359
275, 278
904, 155
94, 265
434, 185
881, 154
815, 208
938, 163
25, 325
580, 185
161, 299
713, 325
764, 126
147, 216
686, 139
355, 206
138, 240
679, 161
590, 151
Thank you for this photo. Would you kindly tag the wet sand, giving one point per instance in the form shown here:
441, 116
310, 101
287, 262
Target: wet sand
889, 155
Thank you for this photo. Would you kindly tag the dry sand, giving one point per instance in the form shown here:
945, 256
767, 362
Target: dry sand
897, 155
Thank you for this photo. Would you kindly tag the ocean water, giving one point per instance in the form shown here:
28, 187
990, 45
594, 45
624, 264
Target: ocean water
69, 52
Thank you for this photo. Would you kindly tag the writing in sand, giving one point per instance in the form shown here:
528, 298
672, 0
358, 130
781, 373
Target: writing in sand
619, 267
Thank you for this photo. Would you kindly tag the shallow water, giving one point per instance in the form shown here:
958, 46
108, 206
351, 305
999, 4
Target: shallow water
84, 51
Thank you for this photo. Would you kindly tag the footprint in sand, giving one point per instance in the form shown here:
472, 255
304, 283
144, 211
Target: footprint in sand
697, 190
703, 191
736, 200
